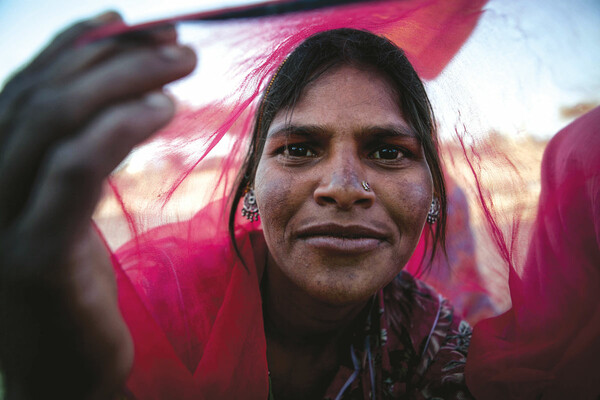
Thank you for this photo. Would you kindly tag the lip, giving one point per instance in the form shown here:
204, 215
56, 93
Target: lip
346, 239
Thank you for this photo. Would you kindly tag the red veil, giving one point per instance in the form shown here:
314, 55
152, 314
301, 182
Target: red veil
548, 342
194, 310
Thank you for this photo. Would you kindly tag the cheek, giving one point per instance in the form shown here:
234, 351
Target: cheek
408, 201
274, 195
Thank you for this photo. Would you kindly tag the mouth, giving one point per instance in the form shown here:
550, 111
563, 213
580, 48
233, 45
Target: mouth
342, 239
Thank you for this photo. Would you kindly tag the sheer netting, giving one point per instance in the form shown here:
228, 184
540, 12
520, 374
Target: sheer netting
194, 310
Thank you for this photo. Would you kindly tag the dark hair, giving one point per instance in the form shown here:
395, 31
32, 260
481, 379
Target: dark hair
318, 54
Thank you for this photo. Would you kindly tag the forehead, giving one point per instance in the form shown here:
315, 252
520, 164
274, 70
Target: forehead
345, 97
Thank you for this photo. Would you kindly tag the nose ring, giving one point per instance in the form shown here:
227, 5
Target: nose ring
366, 186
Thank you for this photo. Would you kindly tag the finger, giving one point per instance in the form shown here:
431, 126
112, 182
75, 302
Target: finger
17, 90
159, 34
66, 43
62, 108
79, 60
67, 38
75, 61
67, 192
23, 81
57, 112
74, 57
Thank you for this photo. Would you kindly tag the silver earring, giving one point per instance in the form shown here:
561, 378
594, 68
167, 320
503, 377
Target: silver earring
434, 211
250, 208
366, 186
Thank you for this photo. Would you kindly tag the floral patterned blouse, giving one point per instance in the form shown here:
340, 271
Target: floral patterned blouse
413, 346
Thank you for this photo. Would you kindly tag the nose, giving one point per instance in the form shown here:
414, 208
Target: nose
341, 186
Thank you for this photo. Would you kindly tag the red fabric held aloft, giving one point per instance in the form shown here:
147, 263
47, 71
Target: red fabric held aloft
546, 346
194, 310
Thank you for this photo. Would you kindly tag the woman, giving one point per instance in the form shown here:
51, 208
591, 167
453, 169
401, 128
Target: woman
344, 171
342, 182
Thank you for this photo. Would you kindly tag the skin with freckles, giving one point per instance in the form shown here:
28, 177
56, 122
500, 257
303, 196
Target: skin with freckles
331, 243
328, 238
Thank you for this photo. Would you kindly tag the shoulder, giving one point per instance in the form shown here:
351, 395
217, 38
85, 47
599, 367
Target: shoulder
439, 338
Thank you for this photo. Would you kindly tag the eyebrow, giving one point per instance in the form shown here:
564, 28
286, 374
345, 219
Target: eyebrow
380, 131
298, 130
390, 131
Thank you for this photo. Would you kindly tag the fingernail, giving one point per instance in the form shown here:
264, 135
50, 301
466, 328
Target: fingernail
157, 100
108, 16
171, 53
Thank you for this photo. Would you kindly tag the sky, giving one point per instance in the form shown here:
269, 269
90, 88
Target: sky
525, 60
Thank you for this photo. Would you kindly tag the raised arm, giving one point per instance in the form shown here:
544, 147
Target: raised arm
66, 121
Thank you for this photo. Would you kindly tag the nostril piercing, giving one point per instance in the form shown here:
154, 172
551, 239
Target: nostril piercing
366, 186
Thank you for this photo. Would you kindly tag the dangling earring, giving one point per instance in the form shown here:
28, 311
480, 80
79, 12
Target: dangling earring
434, 211
250, 208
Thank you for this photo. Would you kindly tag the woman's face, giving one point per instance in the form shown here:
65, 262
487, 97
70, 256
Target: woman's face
326, 234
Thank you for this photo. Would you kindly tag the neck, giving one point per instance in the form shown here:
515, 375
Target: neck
307, 339
295, 318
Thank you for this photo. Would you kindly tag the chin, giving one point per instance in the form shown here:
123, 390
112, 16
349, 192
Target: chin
338, 280
343, 287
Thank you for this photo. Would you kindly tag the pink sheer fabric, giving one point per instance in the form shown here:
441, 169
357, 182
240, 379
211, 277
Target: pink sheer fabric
195, 311
195, 314
546, 346
456, 274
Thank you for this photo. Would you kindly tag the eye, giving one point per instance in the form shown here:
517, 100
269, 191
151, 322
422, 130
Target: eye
297, 150
387, 153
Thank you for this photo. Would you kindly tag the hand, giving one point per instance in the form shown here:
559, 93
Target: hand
66, 121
